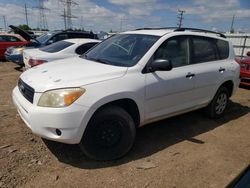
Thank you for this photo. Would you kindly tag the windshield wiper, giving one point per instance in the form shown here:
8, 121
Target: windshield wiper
99, 60
104, 61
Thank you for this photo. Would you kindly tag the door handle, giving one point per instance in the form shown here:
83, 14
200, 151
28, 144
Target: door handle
190, 75
222, 69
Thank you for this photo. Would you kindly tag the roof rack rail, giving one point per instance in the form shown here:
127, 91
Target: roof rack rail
184, 29
155, 28
202, 30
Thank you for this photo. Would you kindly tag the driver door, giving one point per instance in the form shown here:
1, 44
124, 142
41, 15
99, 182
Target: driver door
168, 92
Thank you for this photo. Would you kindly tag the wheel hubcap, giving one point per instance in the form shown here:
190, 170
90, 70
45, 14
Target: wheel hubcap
221, 103
108, 133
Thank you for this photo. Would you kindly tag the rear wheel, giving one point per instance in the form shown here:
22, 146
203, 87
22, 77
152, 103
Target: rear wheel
109, 135
218, 105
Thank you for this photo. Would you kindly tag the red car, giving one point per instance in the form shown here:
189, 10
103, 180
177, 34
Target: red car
8, 40
244, 70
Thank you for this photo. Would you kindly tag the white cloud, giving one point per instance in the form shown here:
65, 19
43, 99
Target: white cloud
131, 2
129, 13
214, 10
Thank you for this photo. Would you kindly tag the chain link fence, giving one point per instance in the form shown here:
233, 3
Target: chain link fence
241, 43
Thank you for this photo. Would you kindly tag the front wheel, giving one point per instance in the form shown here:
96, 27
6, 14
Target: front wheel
109, 135
218, 105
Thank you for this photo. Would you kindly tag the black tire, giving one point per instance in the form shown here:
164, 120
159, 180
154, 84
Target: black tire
109, 135
216, 109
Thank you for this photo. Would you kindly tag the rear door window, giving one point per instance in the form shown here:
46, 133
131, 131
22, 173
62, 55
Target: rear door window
84, 48
81, 35
9, 39
3, 39
56, 47
14, 39
204, 50
59, 37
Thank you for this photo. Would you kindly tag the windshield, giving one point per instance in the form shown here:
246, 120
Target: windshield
43, 38
122, 50
56, 47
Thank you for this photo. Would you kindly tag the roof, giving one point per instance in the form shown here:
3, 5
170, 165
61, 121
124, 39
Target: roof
163, 31
69, 31
157, 32
14, 35
81, 40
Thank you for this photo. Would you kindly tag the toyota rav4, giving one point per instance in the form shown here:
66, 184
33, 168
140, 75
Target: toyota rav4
99, 99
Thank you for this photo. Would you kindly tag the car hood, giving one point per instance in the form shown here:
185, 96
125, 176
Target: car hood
23, 33
71, 72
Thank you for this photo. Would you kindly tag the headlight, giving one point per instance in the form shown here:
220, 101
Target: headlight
17, 51
60, 97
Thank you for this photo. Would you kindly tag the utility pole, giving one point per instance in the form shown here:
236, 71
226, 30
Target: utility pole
232, 25
180, 17
42, 20
64, 19
68, 15
26, 14
81, 24
5, 25
122, 23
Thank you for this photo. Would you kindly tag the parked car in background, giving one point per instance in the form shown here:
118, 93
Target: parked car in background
8, 40
98, 100
244, 69
58, 50
15, 54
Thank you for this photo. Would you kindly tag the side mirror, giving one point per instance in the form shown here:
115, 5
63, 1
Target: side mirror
248, 53
160, 65
50, 42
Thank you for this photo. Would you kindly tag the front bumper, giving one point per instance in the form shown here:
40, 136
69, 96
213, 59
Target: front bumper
46, 122
18, 58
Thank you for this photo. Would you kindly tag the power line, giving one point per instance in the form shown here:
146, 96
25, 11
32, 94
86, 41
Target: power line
180, 17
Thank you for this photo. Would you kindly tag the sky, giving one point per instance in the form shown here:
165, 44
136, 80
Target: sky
121, 15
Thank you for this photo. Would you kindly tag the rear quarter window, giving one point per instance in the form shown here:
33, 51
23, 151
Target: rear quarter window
84, 48
56, 47
223, 48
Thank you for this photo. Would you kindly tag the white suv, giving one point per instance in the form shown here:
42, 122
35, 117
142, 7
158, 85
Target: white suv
129, 80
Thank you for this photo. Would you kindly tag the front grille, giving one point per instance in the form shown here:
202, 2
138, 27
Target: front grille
26, 90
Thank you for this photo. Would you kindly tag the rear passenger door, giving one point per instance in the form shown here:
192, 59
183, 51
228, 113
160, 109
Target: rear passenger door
209, 67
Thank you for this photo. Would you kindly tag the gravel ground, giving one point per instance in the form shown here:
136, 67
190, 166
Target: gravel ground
185, 151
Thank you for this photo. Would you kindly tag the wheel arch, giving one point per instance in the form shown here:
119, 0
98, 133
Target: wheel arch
229, 85
128, 104
126, 101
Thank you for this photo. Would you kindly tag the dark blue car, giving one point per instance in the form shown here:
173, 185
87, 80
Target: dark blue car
15, 54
